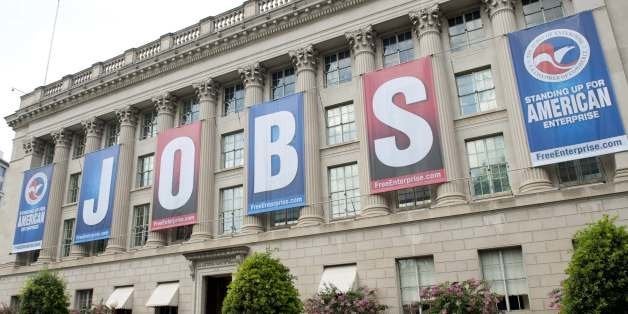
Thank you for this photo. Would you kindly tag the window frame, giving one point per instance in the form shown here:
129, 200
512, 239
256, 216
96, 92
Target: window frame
74, 188
577, 166
541, 10
190, 111
78, 149
139, 229
291, 85
416, 204
468, 42
149, 126
398, 52
355, 190
235, 216
487, 168
67, 236
234, 151
83, 295
338, 69
504, 280
144, 173
113, 133
477, 92
428, 258
238, 88
287, 218
341, 125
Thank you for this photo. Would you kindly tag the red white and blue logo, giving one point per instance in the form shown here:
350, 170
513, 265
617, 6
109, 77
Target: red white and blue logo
36, 188
557, 55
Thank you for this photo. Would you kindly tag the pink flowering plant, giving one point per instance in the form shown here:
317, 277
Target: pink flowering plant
555, 296
332, 300
469, 297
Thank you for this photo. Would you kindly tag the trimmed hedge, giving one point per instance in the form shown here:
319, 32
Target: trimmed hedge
44, 293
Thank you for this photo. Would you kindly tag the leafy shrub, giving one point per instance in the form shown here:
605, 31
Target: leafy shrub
262, 285
44, 293
332, 300
5, 309
469, 297
598, 272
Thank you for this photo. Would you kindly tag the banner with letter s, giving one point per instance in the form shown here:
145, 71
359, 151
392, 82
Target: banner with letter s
98, 187
31, 217
568, 103
176, 177
275, 156
402, 124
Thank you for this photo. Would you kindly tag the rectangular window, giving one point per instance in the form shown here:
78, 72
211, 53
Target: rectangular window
190, 111
48, 155
96, 247
68, 234
149, 124
415, 274
112, 134
79, 145
341, 124
488, 167
231, 209
73, 187
398, 49
283, 83
476, 91
234, 99
465, 29
338, 68
581, 171
166, 310
286, 217
83, 300
140, 224
182, 233
233, 150
414, 197
503, 270
27, 258
145, 170
344, 191
537, 12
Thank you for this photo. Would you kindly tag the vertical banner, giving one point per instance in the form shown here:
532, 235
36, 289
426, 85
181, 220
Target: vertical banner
29, 229
176, 177
568, 103
98, 187
275, 155
402, 127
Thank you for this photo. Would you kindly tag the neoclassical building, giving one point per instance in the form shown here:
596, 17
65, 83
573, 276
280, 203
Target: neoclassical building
496, 217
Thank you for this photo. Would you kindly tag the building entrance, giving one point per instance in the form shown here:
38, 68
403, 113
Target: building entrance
215, 292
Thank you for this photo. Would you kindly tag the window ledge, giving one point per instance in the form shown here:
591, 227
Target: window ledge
69, 204
327, 147
477, 114
578, 185
223, 170
142, 188
492, 196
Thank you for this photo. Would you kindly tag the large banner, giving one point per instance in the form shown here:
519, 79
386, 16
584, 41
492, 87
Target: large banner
98, 188
568, 103
29, 229
275, 155
176, 177
402, 122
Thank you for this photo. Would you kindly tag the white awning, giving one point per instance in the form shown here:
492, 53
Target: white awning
120, 299
166, 294
343, 277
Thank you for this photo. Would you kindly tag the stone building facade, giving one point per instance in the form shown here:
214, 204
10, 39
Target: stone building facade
396, 242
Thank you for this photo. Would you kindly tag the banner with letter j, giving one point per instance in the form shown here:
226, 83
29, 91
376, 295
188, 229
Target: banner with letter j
98, 188
31, 217
275, 156
568, 103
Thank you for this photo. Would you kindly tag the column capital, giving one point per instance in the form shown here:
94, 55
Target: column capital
426, 20
164, 103
495, 6
61, 137
304, 58
252, 75
93, 126
32, 146
127, 116
362, 40
207, 89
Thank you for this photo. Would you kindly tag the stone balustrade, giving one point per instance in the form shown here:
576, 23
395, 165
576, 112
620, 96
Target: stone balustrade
229, 19
53, 89
113, 65
82, 77
187, 35
149, 50
264, 6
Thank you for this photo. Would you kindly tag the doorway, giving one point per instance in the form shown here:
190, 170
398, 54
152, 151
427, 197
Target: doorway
215, 292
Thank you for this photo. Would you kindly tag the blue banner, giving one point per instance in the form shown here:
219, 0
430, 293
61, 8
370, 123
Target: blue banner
275, 156
98, 187
568, 103
31, 217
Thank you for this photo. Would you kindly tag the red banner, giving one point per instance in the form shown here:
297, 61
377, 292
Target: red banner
176, 177
402, 124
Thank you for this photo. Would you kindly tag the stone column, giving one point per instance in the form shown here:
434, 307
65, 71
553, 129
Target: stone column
253, 79
502, 15
165, 105
127, 118
207, 92
93, 133
62, 139
305, 61
621, 167
427, 26
362, 42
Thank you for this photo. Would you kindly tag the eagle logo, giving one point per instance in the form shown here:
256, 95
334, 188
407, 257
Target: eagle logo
557, 55
36, 188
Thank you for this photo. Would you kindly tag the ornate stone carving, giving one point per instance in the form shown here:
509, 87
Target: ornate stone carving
93, 127
165, 103
252, 74
426, 20
217, 259
495, 6
61, 137
207, 89
127, 116
33, 145
304, 58
362, 40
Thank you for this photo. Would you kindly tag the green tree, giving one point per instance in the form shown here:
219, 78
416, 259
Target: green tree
44, 293
262, 285
598, 272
